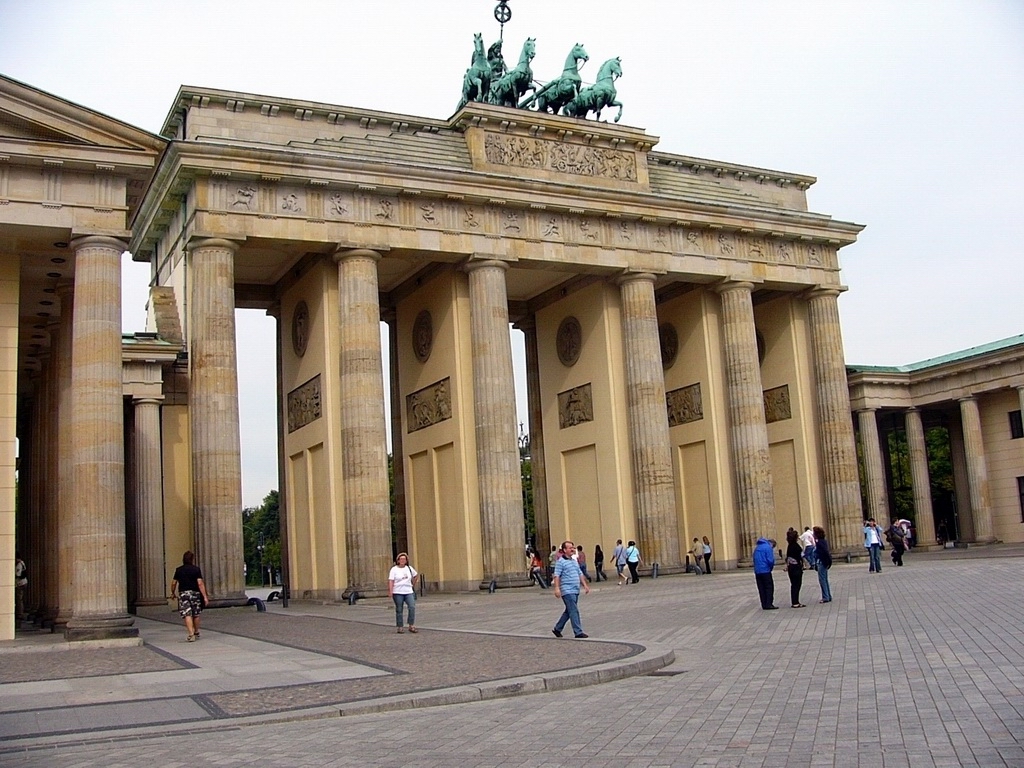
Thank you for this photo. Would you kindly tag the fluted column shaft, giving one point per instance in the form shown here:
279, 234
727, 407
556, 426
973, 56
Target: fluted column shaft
364, 461
650, 450
149, 504
494, 407
538, 470
977, 470
64, 545
97, 431
835, 427
874, 470
751, 459
924, 517
213, 416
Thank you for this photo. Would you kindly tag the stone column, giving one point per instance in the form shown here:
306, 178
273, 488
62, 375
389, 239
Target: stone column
650, 450
751, 460
63, 547
924, 516
49, 498
843, 516
213, 419
977, 470
497, 445
149, 504
538, 472
1020, 397
100, 608
364, 461
397, 452
874, 470
961, 485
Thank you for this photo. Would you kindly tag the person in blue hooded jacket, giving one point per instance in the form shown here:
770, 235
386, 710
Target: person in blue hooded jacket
764, 561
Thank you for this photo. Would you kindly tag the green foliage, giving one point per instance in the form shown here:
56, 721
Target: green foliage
526, 469
261, 539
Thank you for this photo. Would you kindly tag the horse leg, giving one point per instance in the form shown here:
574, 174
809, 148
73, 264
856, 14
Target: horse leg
619, 105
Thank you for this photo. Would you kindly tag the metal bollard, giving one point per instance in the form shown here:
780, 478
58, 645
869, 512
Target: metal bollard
493, 587
654, 570
849, 557
352, 597
260, 605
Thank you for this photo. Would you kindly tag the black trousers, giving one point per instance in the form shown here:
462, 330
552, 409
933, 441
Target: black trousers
765, 589
632, 571
796, 579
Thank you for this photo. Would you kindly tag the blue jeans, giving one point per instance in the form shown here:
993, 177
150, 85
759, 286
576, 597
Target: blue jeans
874, 557
570, 614
809, 556
409, 600
826, 590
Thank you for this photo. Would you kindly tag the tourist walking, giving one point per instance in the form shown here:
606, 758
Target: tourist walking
823, 556
873, 544
633, 561
599, 563
697, 550
537, 570
581, 560
402, 590
897, 541
706, 547
20, 587
568, 580
188, 586
794, 567
807, 542
764, 562
619, 558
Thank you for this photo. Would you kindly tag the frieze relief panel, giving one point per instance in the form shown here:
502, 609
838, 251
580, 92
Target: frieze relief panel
428, 406
572, 159
575, 406
304, 404
777, 405
684, 405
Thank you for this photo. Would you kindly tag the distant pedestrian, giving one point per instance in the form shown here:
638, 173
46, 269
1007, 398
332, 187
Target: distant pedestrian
537, 571
552, 559
794, 567
873, 544
581, 560
599, 563
568, 580
697, 551
764, 562
619, 558
706, 547
897, 542
807, 542
20, 586
823, 556
402, 590
633, 561
190, 589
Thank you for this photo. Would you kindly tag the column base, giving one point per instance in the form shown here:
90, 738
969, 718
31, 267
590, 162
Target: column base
231, 601
101, 628
506, 581
370, 590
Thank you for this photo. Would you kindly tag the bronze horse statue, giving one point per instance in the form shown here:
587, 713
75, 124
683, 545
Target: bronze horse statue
477, 81
509, 89
560, 92
601, 94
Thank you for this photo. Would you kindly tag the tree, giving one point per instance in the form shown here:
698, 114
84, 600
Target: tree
261, 538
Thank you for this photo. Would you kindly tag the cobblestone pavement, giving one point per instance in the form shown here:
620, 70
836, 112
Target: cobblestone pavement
921, 665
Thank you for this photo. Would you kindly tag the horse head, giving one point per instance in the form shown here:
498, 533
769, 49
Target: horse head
529, 50
578, 53
611, 69
478, 49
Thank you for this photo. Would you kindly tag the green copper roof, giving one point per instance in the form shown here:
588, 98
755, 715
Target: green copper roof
934, 362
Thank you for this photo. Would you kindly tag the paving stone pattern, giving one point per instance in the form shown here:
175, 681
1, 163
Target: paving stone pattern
916, 666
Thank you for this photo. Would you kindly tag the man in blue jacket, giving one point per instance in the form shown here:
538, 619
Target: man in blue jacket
764, 561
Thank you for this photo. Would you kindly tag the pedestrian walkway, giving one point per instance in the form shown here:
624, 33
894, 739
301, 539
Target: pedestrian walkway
920, 665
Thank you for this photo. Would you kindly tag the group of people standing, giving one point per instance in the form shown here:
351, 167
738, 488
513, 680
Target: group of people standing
799, 547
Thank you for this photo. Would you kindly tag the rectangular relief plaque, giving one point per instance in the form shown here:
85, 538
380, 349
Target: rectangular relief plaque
776, 404
304, 404
684, 405
575, 406
428, 406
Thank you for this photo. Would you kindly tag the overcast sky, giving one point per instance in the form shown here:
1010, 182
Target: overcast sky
910, 114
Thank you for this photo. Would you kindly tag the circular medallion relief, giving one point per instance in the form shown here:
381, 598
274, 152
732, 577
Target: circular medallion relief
423, 336
569, 341
669, 344
300, 328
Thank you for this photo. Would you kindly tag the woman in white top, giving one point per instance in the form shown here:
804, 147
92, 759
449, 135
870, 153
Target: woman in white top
402, 589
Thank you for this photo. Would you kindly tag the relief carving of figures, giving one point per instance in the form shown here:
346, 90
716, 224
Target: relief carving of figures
428, 213
514, 150
684, 405
304, 404
776, 404
524, 152
589, 231
813, 255
244, 198
550, 227
725, 244
695, 240
338, 204
511, 221
575, 406
785, 252
661, 237
569, 341
386, 210
469, 219
429, 406
291, 203
625, 231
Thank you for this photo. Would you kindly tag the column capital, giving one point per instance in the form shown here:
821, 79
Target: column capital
825, 292
474, 264
967, 398
274, 310
632, 277
869, 409
343, 252
733, 284
148, 400
98, 241
389, 315
526, 324
198, 243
